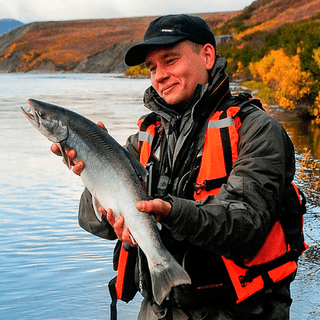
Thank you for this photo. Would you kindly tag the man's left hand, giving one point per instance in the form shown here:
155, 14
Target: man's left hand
159, 208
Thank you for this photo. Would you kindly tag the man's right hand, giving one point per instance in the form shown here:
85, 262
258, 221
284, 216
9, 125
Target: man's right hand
122, 232
71, 154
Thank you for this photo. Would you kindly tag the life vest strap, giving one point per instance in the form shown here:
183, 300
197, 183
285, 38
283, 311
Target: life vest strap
209, 185
114, 299
262, 270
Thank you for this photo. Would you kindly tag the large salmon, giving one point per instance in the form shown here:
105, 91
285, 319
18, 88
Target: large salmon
113, 176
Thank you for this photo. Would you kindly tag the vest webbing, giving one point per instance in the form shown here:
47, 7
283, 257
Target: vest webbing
220, 150
122, 287
147, 131
122, 265
274, 261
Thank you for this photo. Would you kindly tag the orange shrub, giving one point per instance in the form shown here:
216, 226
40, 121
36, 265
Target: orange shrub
284, 74
138, 71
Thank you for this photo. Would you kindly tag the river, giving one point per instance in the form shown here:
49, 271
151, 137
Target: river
49, 267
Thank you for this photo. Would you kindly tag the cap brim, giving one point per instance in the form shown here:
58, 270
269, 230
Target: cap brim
137, 54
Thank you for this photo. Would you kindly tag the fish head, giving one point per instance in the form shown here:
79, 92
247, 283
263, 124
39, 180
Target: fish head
47, 119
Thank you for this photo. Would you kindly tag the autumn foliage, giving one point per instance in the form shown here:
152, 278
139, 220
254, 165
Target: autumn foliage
138, 71
286, 59
292, 85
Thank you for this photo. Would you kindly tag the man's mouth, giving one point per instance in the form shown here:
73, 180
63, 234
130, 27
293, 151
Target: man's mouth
167, 89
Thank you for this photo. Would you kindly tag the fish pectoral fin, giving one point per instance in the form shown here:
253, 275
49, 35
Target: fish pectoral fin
64, 155
96, 205
132, 239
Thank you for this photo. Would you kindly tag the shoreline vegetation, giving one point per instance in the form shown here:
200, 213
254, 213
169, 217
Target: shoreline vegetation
140, 71
283, 65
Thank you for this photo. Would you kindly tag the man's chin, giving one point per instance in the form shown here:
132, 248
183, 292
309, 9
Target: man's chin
175, 104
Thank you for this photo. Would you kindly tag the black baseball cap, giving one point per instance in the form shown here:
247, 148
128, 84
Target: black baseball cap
169, 30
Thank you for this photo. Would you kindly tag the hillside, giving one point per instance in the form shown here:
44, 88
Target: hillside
78, 46
99, 45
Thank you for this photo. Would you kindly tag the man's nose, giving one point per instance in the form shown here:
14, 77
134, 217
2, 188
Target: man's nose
161, 74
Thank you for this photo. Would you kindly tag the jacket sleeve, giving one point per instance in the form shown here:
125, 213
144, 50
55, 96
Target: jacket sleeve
236, 222
86, 215
88, 220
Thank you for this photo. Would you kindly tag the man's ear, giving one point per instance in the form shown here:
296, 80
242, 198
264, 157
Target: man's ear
209, 54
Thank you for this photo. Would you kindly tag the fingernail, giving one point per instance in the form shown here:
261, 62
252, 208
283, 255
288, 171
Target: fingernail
139, 205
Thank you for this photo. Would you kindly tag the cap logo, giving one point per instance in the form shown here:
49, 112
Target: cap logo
166, 30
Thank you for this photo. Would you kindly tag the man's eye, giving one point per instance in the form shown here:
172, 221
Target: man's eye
172, 60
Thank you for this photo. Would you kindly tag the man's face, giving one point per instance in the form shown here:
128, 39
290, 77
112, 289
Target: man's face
176, 71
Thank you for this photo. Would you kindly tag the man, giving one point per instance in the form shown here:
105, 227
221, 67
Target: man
220, 168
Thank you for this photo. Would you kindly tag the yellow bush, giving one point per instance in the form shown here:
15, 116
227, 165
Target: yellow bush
316, 56
316, 109
239, 70
9, 51
138, 71
283, 73
31, 55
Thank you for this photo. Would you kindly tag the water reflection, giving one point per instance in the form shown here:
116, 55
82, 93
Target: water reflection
303, 133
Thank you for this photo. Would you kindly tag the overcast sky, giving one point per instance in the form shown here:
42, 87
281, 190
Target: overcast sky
51, 10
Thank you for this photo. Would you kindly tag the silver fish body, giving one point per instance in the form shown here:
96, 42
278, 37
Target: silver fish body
113, 176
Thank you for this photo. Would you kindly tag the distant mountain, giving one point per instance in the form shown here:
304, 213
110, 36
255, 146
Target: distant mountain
8, 24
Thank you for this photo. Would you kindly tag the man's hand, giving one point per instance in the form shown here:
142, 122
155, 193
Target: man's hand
159, 208
102, 126
71, 154
121, 231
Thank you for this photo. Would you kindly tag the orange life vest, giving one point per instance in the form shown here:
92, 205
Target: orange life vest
147, 131
275, 260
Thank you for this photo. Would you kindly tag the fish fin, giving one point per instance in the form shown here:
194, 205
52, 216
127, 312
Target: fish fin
132, 238
96, 205
166, 276
64, 155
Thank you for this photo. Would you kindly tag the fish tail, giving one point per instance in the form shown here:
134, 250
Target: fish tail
166, 276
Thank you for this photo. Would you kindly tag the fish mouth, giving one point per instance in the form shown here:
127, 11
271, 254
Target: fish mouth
31, 114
